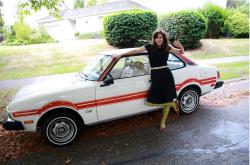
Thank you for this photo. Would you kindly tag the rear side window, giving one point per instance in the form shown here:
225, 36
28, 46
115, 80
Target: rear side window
174, 62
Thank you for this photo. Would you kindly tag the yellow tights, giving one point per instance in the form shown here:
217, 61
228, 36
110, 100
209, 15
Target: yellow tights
166, 109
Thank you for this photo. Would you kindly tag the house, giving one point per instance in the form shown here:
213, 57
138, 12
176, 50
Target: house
83, 20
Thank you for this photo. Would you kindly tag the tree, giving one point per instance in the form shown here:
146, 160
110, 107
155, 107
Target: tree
103, 1
235, 3
50, 5
22, 30
239, 5
91, 3
1, 18
78, 4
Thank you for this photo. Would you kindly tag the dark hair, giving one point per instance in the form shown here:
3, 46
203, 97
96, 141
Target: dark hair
165, 44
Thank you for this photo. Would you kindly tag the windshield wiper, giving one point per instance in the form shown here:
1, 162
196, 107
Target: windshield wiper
82, 75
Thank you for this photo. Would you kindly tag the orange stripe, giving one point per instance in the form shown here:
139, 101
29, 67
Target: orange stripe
104, 101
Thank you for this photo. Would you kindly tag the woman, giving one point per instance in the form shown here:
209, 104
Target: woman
162, 91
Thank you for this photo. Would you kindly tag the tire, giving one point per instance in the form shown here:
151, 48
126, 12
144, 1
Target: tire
61, 129
188, 100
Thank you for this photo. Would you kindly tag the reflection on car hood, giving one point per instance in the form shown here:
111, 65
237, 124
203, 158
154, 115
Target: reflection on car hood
48, 85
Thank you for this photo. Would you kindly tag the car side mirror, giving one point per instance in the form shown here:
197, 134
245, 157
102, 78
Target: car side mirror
108, 81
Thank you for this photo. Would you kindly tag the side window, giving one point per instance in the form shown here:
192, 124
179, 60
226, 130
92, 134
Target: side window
131, 66
174, 62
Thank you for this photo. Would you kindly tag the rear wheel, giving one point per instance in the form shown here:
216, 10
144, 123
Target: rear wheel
60, 129
188, 100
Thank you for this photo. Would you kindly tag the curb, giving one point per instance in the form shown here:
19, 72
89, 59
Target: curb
236, 79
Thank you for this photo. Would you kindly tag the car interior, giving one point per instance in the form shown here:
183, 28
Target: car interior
133, 66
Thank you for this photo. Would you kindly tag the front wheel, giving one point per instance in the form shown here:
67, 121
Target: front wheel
60, 129
188, 100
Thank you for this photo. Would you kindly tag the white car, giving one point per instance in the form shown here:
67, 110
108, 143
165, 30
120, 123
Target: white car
108, 88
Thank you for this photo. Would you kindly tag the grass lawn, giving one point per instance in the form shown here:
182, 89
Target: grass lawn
233, 70
215, 48
44, 59
54, 58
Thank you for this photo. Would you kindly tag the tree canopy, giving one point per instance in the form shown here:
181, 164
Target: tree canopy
78, 4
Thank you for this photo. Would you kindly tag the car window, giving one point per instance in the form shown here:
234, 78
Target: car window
95, 68
131, 67
174, 62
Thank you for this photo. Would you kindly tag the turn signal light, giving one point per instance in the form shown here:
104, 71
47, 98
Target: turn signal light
28, 121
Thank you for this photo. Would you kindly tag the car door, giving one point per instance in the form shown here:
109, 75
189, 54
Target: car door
127, 94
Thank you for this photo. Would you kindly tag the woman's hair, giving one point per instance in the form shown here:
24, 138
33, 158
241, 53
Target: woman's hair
165, 44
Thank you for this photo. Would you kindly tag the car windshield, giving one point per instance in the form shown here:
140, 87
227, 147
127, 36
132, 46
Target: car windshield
95, 68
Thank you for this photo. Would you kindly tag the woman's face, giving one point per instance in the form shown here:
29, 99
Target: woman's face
159, 40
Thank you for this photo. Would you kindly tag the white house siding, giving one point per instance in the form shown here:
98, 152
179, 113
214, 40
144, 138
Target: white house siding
61, 30
89, 24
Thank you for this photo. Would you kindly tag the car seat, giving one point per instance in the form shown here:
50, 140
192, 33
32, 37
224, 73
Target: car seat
128, 69
139, 69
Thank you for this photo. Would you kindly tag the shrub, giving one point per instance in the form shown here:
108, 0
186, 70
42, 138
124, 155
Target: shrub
1, 23
35, 36
9, 34
22, 31
39, 35
189, 26
215, 16
129, 28
237, 25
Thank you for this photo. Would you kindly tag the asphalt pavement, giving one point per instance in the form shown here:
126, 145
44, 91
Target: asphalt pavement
210, 135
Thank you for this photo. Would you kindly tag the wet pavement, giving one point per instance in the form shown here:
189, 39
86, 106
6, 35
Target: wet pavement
210, 135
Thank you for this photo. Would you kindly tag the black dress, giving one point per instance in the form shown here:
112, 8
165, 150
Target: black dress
162, 89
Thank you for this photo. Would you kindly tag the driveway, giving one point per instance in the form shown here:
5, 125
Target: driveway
210, 135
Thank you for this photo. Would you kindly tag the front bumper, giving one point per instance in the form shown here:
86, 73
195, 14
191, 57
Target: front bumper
218, 84
10, 124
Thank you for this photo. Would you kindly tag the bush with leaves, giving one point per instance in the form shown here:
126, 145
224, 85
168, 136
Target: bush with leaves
22, 31
39, 35
129, 28
237, 25
188, 26
215, 16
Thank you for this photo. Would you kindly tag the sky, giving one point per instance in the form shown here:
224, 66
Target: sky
159, 6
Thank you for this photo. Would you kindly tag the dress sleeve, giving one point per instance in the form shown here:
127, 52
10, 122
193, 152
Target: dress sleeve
148, 47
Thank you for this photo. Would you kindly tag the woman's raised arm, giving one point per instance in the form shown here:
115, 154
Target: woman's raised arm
133, 51
179, 49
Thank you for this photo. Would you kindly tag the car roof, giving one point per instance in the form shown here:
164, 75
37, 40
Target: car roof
116, 52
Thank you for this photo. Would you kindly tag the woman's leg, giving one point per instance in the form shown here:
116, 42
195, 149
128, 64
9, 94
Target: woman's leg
166, 109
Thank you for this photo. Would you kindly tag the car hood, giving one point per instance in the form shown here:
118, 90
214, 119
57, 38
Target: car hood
53, 84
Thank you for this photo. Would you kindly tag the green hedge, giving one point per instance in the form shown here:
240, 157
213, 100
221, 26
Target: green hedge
237, 25
215, 16
189, 26
130, 28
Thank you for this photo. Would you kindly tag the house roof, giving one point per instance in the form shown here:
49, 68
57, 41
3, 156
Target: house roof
95, 10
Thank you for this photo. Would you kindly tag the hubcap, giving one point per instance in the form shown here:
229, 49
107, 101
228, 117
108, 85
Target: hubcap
61, 130
189, 101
